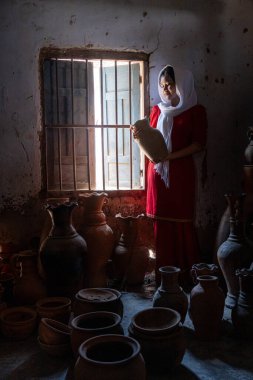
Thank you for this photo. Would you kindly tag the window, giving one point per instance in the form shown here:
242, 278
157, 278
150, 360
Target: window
89, 99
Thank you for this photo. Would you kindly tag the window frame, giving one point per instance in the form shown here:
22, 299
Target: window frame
79, 53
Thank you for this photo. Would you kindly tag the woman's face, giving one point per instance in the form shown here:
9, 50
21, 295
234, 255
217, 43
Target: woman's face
168, 86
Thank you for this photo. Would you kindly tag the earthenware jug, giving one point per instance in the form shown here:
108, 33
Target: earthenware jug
242, 314
170, 294
130, 257
63, 254
234, 252
99, 237
110, 357
206, 308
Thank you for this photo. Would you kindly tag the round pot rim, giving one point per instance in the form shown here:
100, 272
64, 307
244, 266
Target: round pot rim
46, 322
169, 269
207, 278
91, 342
18, 309
47, 300
116, 319
158, 330
108, 290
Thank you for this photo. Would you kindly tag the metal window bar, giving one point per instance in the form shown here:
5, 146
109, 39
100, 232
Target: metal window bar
87, 122
130, 121
73, 130
102, 121
58, 119
116, 122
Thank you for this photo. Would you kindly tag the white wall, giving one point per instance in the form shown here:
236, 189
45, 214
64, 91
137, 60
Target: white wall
211, 38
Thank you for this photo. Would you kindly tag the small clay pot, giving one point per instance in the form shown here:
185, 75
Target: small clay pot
57, 308
53, 332
18, 323
98, 299
88, 325
108, 357
55, 349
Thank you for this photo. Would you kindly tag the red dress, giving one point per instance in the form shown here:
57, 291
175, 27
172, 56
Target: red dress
173, 208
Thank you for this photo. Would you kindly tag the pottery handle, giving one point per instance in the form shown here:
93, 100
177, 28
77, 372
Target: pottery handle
194, 276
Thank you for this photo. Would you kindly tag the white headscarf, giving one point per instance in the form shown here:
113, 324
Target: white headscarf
188, 98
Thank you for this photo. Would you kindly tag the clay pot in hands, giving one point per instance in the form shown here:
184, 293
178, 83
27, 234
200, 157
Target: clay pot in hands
206, 308
110, 357
99, 237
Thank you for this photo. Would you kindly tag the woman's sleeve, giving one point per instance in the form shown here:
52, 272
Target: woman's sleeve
154, 115
199, 125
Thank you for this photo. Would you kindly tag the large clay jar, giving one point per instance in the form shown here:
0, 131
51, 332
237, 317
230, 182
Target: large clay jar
28, 286
130, 257
110, 357
161, 337
234, 252
170, 294
88, 325
99, 237
242, 314
98, 299
207, 307
63, 254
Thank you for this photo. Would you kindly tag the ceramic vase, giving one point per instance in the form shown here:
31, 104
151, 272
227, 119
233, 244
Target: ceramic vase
242, 314
170, 294
234, 252
63, 254
28, 285
201, 269
99, 237
110, 357
206, 308
130, 257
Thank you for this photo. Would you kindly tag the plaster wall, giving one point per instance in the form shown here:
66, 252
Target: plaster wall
213, 38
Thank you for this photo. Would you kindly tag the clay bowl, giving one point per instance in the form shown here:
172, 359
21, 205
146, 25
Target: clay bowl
18, 323
57, 308
56, 349
98, 299
156, 321
53, 332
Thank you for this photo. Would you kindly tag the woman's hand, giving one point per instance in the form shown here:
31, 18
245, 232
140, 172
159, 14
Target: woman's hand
135, 131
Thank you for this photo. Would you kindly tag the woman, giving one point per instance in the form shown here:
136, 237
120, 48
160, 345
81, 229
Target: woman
171, 183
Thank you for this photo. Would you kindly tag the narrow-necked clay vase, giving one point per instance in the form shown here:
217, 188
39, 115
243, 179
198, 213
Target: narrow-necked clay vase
170, 294
201, 269
206, 308
110, 357
88, 325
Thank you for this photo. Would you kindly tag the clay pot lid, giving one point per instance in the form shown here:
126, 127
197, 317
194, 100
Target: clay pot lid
156, 320
97, 295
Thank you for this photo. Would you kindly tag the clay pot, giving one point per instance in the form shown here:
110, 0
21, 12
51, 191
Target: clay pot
161, 337
18, 323
170, 294
7, 281
242, 314
88, 325
99, 237
130, 257
57, 308
108, 357
234, 252
98, 299
201, 269
63, 254
53, 332
57, 350
207, 307
28, 286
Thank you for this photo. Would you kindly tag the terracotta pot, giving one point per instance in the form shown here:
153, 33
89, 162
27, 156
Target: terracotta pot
130, 257
57, 308
234, 252
18, 323
28, 286
63, 254
207, 307
201, 269
53, 332
99, 237
161, 337
108, 357
170, 294
88, 325
242, 314
58, 350
7, 281
98, 299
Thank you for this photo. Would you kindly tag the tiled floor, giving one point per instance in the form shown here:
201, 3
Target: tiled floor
226, 359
